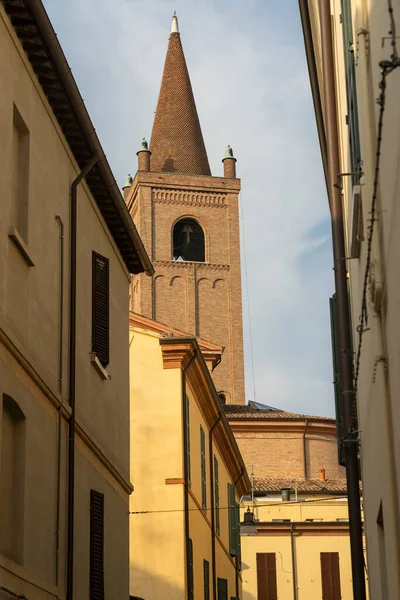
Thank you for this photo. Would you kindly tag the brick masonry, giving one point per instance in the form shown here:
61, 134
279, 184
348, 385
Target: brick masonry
203, 299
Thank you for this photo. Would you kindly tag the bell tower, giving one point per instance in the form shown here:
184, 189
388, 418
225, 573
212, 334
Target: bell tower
189, 223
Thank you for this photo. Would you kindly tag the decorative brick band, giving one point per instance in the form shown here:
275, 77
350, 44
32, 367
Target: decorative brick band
182, 264
165, 196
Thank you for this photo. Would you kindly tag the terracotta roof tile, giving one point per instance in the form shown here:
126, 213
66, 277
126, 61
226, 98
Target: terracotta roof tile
177, 144
272, 484
236, 412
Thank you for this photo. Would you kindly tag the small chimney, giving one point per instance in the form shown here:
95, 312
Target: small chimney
322, 474
285, 494
229, 164
143, 156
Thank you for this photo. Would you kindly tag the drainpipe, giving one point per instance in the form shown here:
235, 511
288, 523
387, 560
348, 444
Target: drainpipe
72, 382
213, 557
294, 570
304, 448
350, 441
60, 384
185, 466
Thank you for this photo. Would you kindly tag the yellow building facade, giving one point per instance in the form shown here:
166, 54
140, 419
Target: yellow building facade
64, 354
301, 550
187, 471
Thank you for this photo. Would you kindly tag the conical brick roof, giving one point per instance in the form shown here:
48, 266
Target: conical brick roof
177, 144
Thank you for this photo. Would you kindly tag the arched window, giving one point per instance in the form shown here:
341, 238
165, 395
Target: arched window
188, 241
222, 398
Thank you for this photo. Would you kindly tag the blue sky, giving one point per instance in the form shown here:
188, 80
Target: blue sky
248, 70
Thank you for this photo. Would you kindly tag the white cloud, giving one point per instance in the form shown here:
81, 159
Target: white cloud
248, 71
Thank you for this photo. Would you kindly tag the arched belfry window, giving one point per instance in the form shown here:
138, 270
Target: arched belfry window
188, 241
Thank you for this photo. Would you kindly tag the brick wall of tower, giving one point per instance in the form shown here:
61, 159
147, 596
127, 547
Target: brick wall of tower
203, 299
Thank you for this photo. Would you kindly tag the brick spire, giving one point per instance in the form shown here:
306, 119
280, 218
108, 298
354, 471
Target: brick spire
177, 144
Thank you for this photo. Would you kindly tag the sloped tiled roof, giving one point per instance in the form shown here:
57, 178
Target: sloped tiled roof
177, 144
249, 412
273, 484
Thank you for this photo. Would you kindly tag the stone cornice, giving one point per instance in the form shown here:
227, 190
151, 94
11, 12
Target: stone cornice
182, 264
189, 198
272, 529
284, 426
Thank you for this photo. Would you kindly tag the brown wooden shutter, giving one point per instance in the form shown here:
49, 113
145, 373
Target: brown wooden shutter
96, 573
100, 308
206, 573
330, 576
190, 570
266, 576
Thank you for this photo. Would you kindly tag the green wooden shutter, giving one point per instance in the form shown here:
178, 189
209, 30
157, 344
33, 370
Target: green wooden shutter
350, 70
336, 382
206, 574
216, 495
239, 547
190, 570
203, 469
101, 308
187, 410
232, 519
222, 589
96, 558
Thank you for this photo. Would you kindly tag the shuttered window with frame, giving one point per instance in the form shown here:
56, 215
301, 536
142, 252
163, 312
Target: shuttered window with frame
190, 570
203, 469
101, 308
336, 382
222, 589
206, 576
96, 569
330, 576
232, 520
352, 109
187, 425
266, 576
216, 495
239, 547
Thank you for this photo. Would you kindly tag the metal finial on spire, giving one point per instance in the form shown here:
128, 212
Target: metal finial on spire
174, 26
143, 145
128, 181
229, 152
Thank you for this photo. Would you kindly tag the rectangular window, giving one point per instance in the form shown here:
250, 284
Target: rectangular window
206, 573
101, 308
232, 520
20, 174
216, 495
96, 574
330, 576
203, 469
190, 569
187, 425
266, 576
222, 589
352, 110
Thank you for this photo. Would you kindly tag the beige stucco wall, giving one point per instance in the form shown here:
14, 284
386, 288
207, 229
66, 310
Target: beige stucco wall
307, 549
378, 382
29, 350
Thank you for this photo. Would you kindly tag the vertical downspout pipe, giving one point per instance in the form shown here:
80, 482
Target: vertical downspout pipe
350, 441
72, 381
213, 532
294, 571
60, 385
305, 448
185, 466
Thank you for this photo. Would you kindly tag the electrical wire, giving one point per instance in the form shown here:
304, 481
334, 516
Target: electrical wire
247, 295
175, 510
387, 66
